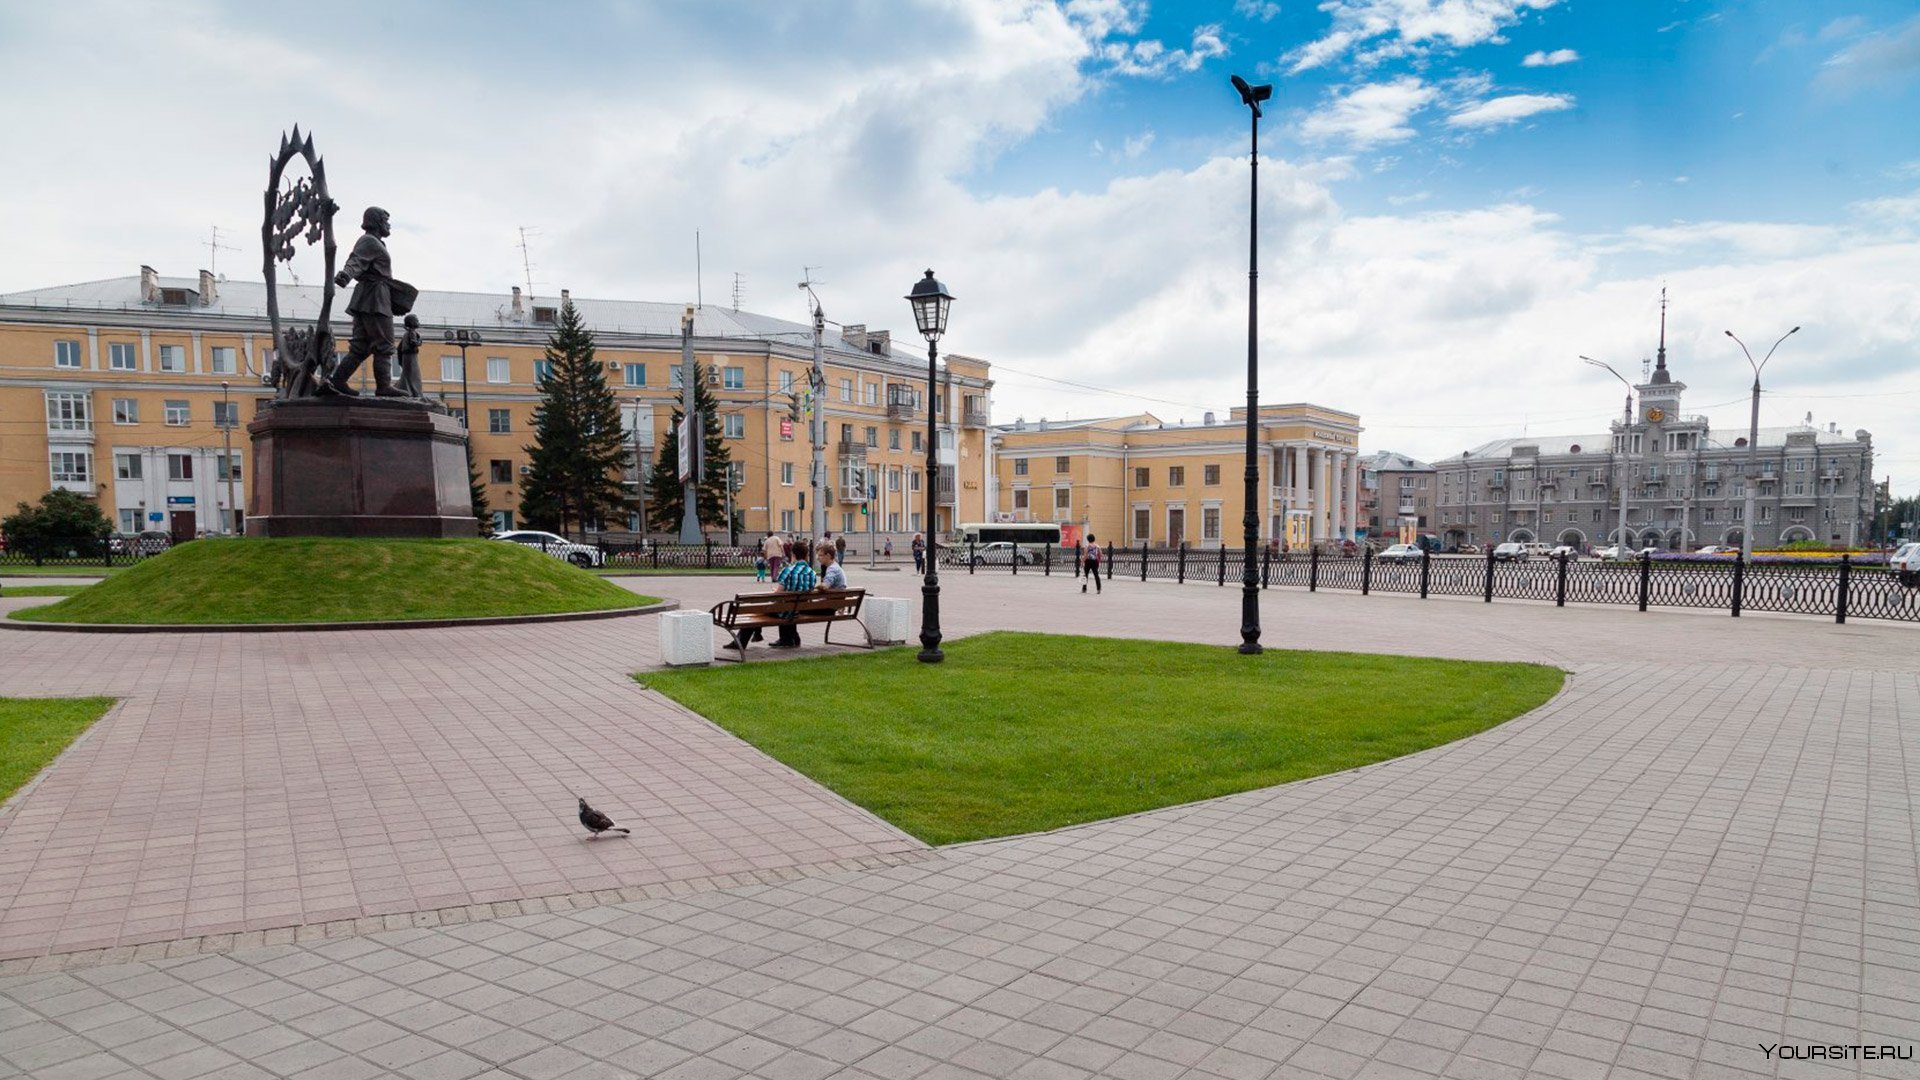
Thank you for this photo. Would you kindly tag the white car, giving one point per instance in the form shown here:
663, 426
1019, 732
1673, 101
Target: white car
1717, 549
1564, 549
582, 555
1001, 552
1400, 553
1905, 562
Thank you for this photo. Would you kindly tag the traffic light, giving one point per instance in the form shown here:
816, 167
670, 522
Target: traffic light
863, 509
793, 406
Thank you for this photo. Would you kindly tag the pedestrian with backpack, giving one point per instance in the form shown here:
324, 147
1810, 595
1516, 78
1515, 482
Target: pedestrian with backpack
1091, 566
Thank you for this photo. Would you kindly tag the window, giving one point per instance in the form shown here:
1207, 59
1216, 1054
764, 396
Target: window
173, 358
1766, 514
846, 434
126, 410
733, 378
542, 371
1711, 490
178, 414
1020, 498
1062, 464
1210, 523
786, 473
226, 414
846, 389
634, 374
734, 426
450, 369
913, 479
1210, 474
130, 521
71, 467
224, 360
873, 437
68, 411
225, 470
503, 521
1142, 523
126, 466
676, 376
1596, 517
499, 421
786, 521
1797, 514
179, 466
500, 470
919, 442
498, 370
786, 382
1177, 476
1142, 477
846, 521
122, 357
893, 438
1063, 498
873, 393
1019, 463
946, 438
66, 354
1707, 515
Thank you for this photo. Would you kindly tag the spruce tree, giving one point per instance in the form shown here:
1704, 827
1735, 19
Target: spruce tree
663, 491
482, 514
574, 467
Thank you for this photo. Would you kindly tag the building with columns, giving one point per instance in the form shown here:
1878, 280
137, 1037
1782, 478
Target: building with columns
1136, 479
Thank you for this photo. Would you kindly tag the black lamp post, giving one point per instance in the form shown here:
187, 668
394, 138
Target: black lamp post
930, 300
465, 339
1252, 96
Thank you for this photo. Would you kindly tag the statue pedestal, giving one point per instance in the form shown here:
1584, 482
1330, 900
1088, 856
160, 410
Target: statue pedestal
358, 467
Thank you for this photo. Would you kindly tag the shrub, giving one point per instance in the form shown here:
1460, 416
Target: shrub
64, 523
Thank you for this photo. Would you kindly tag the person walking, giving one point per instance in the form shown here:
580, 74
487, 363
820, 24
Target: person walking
775, 552
919, 554
1091, 568
889, 548
798, 577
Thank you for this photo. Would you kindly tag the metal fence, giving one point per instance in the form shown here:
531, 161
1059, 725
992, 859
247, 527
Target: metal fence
79, 552
1840, 588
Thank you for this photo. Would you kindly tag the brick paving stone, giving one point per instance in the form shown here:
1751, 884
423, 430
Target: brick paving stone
1708, 839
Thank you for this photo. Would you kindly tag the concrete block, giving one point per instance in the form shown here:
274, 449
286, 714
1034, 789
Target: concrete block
686, 637
890, 621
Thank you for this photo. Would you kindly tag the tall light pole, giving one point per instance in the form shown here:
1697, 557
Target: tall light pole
1251, 97
817, 417
930, 301
1753, 440
692, 436
226, 436
1626, 448
464, 340
640, 470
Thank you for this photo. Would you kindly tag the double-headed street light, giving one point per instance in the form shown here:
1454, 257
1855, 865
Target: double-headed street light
1626, 447
1251, 97
464, 339
930, 301
1753, 440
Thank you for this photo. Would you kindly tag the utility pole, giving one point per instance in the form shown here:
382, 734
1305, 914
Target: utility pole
639, 472
692, 436
226, 436
817, 422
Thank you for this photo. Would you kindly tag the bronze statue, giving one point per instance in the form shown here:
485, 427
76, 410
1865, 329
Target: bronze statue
303, 211
377, 298
409, 351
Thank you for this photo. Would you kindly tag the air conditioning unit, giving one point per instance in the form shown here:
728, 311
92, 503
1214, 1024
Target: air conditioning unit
613, 365
713, 376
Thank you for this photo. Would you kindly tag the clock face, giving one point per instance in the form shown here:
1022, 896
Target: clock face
1656, 415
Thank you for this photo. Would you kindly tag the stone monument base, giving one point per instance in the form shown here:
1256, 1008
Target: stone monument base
372, 467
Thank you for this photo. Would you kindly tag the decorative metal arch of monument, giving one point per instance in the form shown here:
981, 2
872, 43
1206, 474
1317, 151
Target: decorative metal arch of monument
328, 461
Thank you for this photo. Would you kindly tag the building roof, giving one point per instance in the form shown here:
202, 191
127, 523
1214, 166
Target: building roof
1393, 461
1557, 445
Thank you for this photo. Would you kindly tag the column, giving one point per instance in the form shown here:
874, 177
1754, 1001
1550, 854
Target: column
1353, 495
1317, 495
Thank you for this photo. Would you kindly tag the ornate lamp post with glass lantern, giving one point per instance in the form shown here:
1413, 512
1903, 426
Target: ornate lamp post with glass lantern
1251, 97
930, 300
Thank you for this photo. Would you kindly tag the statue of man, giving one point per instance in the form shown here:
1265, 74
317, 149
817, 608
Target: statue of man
372, 307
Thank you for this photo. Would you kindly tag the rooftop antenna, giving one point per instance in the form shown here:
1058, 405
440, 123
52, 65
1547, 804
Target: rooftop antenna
526, 258
739, 287
214, 248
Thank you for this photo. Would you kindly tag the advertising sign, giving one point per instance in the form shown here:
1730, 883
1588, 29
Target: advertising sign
688, 446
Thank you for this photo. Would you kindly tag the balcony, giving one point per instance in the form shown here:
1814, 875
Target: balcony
1496, 481
975, 418
900, 410
851, 448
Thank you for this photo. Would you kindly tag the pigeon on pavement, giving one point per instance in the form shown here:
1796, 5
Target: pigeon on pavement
597, 822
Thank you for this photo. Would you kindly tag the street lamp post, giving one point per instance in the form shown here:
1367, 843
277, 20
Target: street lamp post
464, 340
1753, 440
226, 437
930, 301
693, 431
1626, 448
640, 471
1251, 97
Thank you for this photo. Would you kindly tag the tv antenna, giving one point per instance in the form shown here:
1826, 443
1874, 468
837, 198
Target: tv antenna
214, 248
739, 288
526, 258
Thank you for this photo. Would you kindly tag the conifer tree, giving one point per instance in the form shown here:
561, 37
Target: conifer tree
574, 467
482, 514
663, 491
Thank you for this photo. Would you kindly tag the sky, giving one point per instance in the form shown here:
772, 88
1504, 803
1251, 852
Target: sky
1458, 198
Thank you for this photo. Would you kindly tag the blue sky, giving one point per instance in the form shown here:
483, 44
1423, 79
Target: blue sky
1445, 224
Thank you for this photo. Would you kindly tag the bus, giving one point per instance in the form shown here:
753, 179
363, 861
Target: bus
1030, 536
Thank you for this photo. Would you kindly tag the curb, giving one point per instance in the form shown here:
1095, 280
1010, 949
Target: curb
286, 628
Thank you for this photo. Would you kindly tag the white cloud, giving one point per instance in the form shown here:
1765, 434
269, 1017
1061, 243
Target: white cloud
1409, 26
1550, 59
1136, 145
1496, 112
1370, 115
1151, 58
1263, 10
1887, 57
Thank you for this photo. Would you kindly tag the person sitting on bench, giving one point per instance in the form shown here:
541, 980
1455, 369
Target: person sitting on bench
797, 577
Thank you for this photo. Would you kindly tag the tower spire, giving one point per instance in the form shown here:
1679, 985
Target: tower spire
1660, 374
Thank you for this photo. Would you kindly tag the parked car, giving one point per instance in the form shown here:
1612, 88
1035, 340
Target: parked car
1510, 552
151, 542
1001, 553
1567, 550
1905, 564
582, 555
1717, 549
1401, 553
1540, 549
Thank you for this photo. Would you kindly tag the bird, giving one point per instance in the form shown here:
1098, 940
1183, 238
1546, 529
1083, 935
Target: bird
597, 822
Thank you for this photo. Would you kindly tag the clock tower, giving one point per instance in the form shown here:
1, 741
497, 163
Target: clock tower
1660, 394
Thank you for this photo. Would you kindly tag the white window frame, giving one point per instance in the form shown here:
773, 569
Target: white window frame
70, 466
127, 465
179, 468
225, 359
69, 410
126, 410
733, 378
505, 416
123, 356
130, 519
872, 393
633, 374
178, 413
499, 370
231, 408
786, 381
68, 355
846, 389
450, 369
786, 474
733, 426
179, 355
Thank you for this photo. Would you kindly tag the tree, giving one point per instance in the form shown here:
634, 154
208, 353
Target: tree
63, 522
482, 514
574, 468
663, 491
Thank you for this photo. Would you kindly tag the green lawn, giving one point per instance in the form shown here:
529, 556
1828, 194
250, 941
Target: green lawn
90, 570
1020, 732
327, 580
41, 590
34, 730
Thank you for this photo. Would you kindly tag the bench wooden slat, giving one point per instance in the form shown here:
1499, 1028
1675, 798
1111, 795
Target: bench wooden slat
757, 611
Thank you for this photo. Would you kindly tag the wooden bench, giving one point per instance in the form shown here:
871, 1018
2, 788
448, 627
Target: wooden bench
759, 611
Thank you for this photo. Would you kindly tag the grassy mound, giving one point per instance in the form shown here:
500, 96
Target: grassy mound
1021, 732
326, 580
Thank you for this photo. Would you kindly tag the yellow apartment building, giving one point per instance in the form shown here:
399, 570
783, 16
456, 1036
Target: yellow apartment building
1135, 479
131, 389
